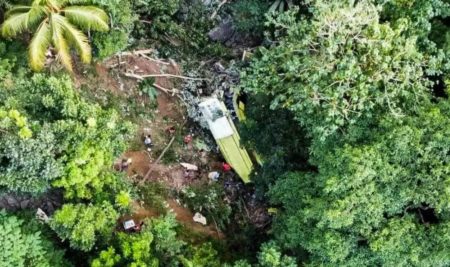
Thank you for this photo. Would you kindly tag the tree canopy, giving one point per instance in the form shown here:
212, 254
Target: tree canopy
343, 107
358, 79
24, 246
342, 67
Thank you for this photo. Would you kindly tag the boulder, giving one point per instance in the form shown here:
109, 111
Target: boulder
12, 202
199, 218
223, 32
24, 203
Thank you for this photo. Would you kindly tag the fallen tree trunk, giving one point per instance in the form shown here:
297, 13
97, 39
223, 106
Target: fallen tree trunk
158, 160
165, 75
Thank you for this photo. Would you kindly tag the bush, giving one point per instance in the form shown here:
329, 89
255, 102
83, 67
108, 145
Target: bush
249, 15
22, 245
161, 14
82, 225
122, 24
155, 245
154, 195
209, 200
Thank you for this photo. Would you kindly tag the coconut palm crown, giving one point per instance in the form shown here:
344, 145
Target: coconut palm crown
52, 22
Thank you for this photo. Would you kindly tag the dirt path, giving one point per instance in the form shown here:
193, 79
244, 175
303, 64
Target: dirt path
184, 216
171, 175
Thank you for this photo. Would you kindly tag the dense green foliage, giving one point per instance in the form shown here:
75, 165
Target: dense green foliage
342, 67
69, 133
357, 79
403, 168
156, 18
82, 224
122, 21
155, 245
250, 15
23, 245
347, 111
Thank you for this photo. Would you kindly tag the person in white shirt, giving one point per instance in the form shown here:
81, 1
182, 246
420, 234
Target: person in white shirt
148, 142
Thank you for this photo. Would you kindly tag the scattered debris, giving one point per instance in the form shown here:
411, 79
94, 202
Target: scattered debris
41, 215
226, 167
189, 167
130, 224
199, 218
147, 175
125, 163
171, 130
214, 176
188, 139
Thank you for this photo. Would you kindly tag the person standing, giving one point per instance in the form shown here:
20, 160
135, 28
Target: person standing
148, 142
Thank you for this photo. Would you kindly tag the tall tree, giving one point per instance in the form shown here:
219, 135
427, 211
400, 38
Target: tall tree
73, 145
360, 86
383, 202
341, 67
52, 22
82, 225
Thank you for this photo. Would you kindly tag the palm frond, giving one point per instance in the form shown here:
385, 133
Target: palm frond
87, 17
54, 4
78, 39
15, 25
21, 18
36, 13
73, 2
17, 9
59, 42
39, 45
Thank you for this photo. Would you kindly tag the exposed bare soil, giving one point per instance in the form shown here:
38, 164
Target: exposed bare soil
169, 113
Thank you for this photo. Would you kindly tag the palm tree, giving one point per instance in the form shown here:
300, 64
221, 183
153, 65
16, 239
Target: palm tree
52, 22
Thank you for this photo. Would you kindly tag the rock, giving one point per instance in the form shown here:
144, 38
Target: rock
3, 203
24, 204
40, 215
218, 67
199, 218
50, 207
223, 32
12, 201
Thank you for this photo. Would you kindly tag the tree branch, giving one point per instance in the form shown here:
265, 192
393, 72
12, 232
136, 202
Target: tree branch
142, 77
218, 8
157, 160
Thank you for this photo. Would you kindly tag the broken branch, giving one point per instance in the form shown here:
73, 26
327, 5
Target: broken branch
154, 60
145, 21
218, 8
142, 77
173, 76
165, 90
158, 159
